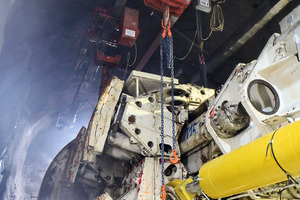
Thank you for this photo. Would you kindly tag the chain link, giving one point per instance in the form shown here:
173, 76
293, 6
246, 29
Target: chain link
198, 23
166, 51
162, 108
171, 65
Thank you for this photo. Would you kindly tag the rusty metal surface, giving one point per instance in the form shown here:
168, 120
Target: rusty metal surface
74, 157
99, 124
144, 181
67, 173
54, 184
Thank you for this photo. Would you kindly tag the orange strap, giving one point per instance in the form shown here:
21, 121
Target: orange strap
163, 194
175, 159
166, 29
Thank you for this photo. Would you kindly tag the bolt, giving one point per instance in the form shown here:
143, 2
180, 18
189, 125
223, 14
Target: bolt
131, 119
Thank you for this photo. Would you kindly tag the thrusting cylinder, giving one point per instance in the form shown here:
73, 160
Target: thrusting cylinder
270, 159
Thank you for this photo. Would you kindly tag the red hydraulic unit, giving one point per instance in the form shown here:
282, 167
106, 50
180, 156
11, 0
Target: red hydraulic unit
130, 29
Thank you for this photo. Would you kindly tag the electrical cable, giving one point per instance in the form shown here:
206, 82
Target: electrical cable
127, 64
191, 47
217, 18
204, 39
135, 55
216, 21
289, 177
128, 59
206, 197
280, 192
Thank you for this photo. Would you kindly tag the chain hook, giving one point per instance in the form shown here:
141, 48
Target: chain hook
163, 194
174, 158
169, 30
166, 29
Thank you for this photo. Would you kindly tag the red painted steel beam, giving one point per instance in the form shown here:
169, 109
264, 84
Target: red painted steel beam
155, 44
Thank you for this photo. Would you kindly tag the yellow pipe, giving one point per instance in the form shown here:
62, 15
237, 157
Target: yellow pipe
248, 167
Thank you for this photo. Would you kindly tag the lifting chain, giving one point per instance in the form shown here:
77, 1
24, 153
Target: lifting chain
166, 52
202, 63
170, 61
163, 195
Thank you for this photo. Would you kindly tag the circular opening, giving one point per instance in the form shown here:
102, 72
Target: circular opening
177, 92
167, 148
176, 110
150, 99
171, 169
177, 103
202, 92
137, 131
150, 144
138, 103
263, 97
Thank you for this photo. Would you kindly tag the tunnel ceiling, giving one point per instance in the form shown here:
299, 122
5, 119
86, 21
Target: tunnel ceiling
57, 30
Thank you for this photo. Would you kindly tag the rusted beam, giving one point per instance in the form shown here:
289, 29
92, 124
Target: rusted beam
155, 44
149, 53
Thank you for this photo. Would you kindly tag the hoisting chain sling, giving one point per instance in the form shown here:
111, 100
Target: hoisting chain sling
166, 52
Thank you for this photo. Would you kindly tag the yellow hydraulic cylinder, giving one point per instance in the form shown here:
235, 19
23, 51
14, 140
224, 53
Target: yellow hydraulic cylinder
253, 165
179, 187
